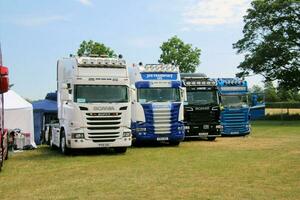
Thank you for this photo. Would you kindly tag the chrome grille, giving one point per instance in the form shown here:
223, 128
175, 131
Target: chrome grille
103, 127
162, 121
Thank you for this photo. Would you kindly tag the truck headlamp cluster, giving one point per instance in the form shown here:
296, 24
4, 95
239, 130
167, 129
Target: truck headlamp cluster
126, 134
91, 61
200, 83
77, 135
158, 68
140, 129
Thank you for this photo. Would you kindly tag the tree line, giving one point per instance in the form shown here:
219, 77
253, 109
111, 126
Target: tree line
277, 94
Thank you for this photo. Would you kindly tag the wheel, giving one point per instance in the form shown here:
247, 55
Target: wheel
120, 149
6, 156
49, 136
63, 144
6, 153
52, 146
174, 143
211, 138
1, 159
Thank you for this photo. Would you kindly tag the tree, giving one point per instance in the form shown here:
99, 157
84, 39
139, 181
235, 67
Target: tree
270, 92
91, 47
257, 89
288, 95
176, 52
271, 42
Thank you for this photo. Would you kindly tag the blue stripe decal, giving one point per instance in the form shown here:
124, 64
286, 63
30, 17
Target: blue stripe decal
176, 84
176, 127
142, 84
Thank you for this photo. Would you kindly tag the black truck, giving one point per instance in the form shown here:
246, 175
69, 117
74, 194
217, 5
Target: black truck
202, 109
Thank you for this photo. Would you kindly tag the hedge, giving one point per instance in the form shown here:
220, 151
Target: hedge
282, 104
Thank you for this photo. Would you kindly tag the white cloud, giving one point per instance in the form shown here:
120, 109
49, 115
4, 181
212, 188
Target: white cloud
38, 21
85, 2
215, 12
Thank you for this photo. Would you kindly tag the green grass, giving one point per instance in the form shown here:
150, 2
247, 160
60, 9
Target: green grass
264, 165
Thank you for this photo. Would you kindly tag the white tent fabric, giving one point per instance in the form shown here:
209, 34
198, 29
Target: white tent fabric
18, 113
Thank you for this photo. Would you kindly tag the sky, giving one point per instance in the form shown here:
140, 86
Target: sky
34, 34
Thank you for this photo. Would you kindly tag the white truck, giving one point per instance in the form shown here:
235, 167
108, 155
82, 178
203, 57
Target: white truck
94, 109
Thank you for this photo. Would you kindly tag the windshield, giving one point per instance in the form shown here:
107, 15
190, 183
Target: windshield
235, 101
100, 93
158, 94
202, 97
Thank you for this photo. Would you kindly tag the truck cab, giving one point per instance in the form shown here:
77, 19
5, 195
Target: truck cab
94, 109
258, 107
4, 83
235, 117
202, 110
157, 108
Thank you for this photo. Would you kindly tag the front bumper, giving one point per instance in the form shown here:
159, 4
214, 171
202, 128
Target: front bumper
242, 131
202, 130
87, 143
158, 137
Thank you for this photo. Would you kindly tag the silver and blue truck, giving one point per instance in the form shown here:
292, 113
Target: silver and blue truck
157, 107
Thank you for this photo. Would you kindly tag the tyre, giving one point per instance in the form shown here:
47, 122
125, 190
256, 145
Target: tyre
211, 138
52, 146
1, 160
63, 144
49, 136
174, 143
120, 149
6, 153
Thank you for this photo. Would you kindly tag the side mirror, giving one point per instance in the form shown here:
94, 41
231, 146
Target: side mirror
4, 82
133, 94
64, 86
64, 95
183, 93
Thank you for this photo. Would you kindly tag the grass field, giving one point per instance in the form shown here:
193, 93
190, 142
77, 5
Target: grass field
264, 165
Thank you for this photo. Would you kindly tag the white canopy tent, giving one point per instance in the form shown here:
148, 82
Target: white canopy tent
18, 113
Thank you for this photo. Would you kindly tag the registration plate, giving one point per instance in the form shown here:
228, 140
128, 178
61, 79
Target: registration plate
234, 133
103, 145
162, 138
202, 134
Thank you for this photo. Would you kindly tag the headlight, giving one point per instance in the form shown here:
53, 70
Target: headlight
126, 134
205, 126
77, 135
140, 129
219, 126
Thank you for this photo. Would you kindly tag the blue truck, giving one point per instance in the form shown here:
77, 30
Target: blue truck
157, 107
235, 111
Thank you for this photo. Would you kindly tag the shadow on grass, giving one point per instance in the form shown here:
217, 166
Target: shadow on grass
199, 140
153, 144
47, 153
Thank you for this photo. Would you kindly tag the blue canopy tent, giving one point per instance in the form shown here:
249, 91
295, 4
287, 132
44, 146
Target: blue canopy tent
43, 112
